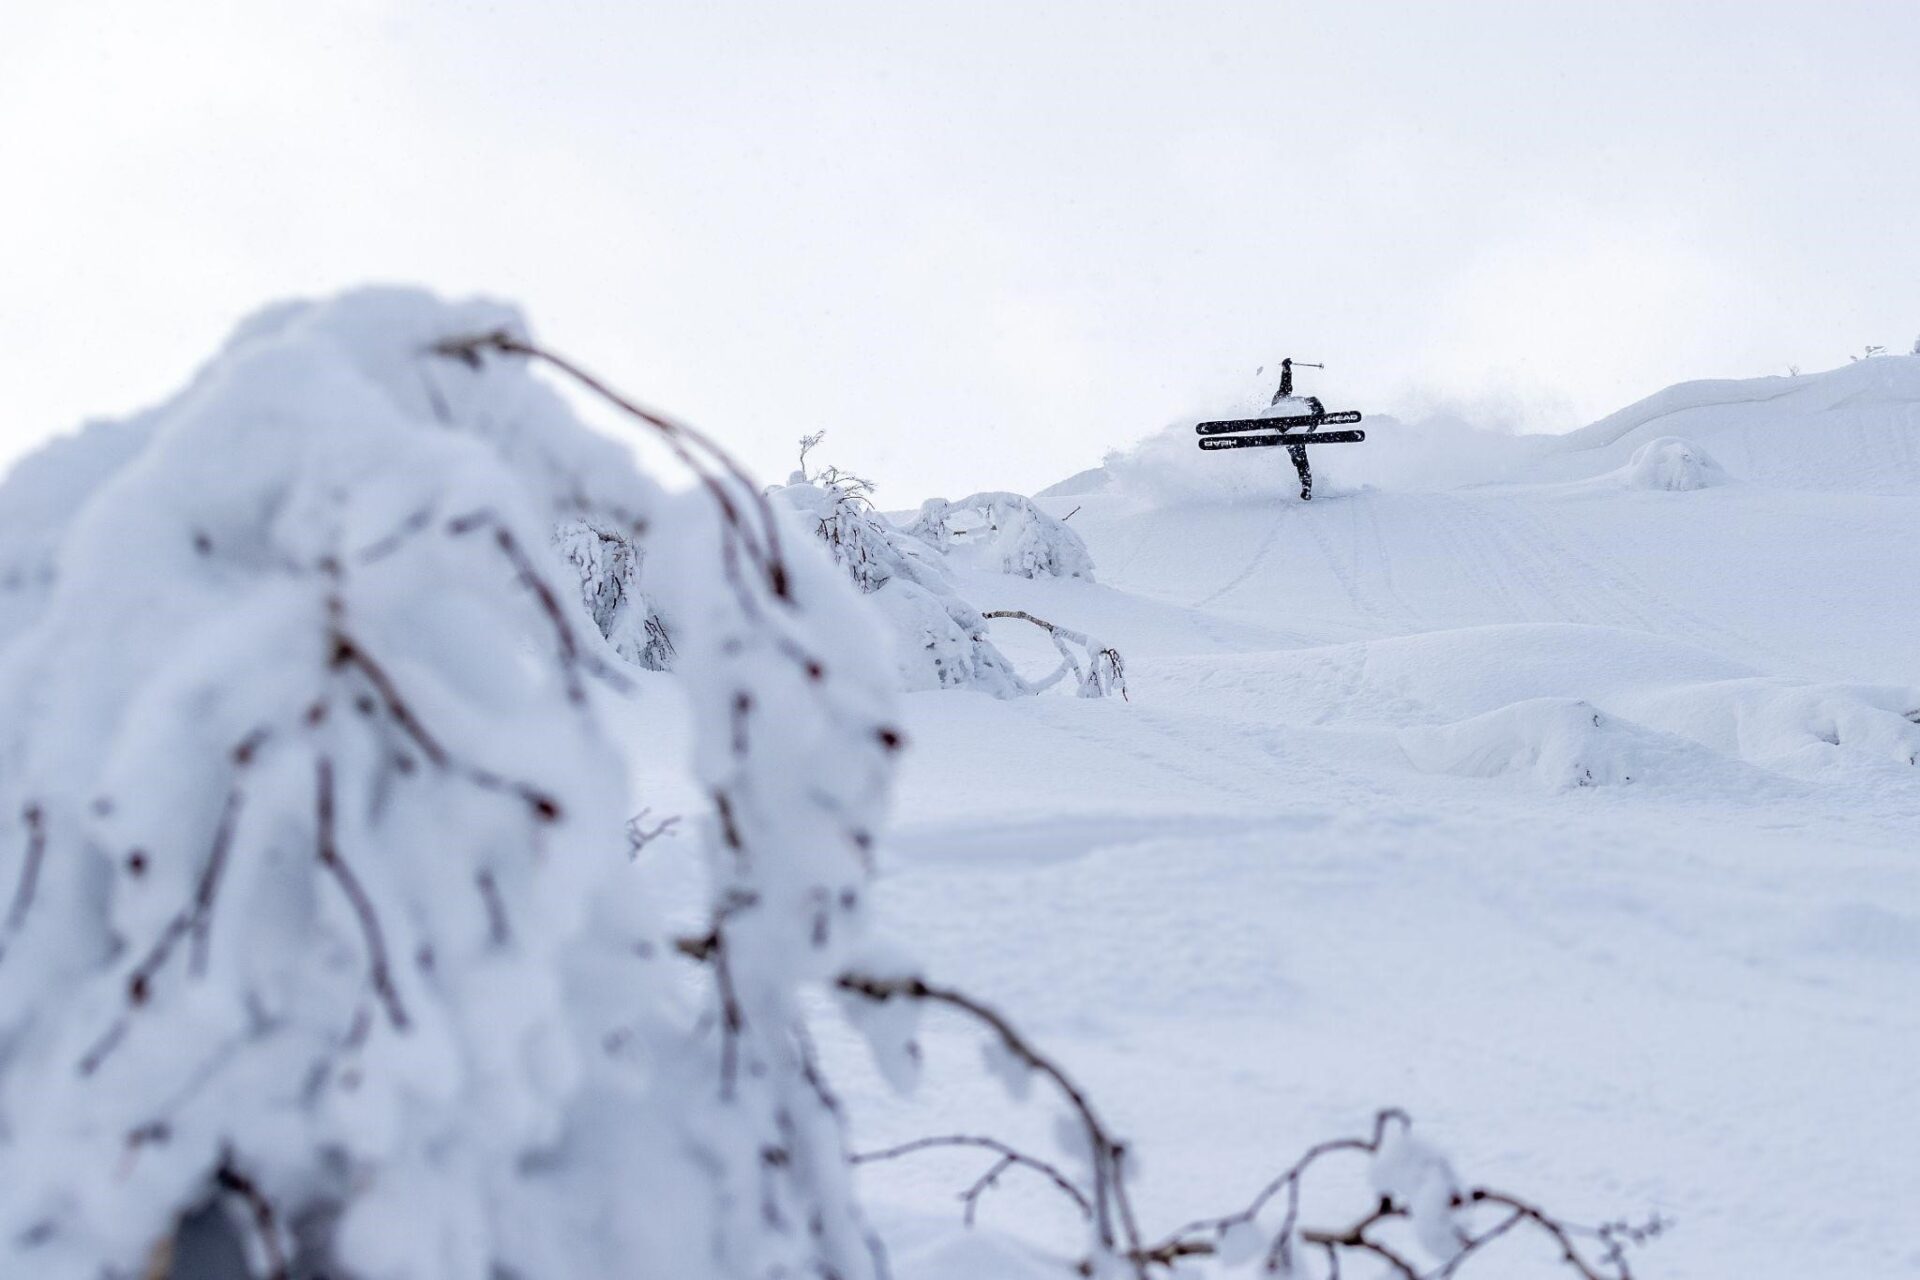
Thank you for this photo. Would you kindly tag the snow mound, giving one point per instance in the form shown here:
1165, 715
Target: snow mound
1807, 730
1441, 676
1560, 743
1672, 464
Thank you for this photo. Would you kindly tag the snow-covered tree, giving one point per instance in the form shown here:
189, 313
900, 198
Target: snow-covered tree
1005, 533
317, 897
608, 562
941, 641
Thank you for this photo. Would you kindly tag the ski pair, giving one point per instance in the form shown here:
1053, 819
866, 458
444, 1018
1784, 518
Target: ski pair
1269, 439
1278, 424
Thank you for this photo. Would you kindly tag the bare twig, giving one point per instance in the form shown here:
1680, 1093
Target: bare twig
1288, 1181
403, 533
711, 465
639, 835
1109, 1198
1008, 1158
1109, 1202
209, 886
265, 1222
327, 849
348, 653
195, 920
807, 445
34, 818
573, 657
499, 926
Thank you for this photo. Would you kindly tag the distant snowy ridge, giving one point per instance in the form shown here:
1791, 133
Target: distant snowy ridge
1855, 427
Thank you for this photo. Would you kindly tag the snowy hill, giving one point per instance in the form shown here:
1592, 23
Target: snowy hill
1559, 789
1855, 428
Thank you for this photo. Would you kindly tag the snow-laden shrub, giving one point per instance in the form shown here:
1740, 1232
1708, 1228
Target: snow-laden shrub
859, 539
1672, 464
317, 893
608, 562
940, 641
1004, 533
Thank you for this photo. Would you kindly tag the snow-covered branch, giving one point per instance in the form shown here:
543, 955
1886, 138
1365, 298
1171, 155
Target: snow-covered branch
1415, 1187
1004, 533
1105, 671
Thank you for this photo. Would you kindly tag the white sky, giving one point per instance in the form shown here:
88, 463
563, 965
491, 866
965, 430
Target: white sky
978, 243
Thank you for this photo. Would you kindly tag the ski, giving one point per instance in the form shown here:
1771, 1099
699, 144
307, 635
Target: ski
1264, 424
1275, 438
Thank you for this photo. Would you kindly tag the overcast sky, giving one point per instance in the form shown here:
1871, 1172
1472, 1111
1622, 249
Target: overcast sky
978, 243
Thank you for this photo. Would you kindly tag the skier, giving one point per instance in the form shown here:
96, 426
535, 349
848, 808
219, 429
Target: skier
1298, 452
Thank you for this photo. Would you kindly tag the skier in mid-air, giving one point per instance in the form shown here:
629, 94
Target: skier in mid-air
1276, 428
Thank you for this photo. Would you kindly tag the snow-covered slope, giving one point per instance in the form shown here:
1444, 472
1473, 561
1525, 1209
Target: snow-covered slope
1573, 809
1855, 428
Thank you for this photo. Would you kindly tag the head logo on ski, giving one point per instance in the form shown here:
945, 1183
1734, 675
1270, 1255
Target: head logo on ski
1276, 426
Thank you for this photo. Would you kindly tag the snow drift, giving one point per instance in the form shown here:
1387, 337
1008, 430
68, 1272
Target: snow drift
1671, 464
1852, 428
1557, 742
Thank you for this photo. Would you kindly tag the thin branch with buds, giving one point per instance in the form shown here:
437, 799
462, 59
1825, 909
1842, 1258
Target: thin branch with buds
639, 835
1112, 1208
34, 818
723, 478
1108, 1202
327, 849
1008, 1158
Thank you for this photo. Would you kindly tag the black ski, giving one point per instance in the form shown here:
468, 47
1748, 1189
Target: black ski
1275, 438
1266, 424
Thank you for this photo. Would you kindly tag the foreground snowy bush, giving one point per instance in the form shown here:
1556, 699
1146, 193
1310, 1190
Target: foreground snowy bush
318, 896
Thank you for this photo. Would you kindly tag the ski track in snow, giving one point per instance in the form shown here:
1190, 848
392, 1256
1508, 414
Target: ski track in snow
1242, 915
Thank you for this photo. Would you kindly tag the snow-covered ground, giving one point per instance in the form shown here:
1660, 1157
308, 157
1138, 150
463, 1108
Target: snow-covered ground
1573, 809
